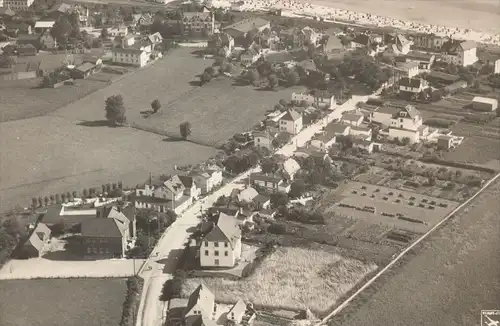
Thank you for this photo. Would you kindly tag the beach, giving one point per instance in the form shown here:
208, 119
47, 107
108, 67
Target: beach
477, 21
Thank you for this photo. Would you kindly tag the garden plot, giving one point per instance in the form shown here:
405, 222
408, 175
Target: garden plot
393, 208
291, 279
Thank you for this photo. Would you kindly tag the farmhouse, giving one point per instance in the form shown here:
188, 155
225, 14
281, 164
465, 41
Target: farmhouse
353, 119
109, 233
221, 247
484, 104
240, 29
291, 122
35, 243
462, 53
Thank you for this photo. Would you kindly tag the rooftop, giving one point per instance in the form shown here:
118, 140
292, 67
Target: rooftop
246, 25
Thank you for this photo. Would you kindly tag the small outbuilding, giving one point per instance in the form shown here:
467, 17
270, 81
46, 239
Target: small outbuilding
484, 104
444, 142
83, 71
35, 244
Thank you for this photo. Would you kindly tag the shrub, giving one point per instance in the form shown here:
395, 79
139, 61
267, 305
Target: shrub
276, 229
439, 123
134, 288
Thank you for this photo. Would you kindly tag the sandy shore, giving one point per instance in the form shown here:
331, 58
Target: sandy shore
419, 17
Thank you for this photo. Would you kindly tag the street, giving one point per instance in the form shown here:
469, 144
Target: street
160, 268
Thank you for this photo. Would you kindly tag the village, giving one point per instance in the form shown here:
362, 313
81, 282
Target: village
365, 139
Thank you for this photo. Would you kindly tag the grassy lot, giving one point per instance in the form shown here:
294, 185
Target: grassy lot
478, 150
291, 278
455, 271
61, 302
47, 155
216, 111
21, 99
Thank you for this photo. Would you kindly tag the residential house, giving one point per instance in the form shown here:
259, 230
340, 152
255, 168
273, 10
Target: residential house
142, 22
251, 55
407, 69
136, 55
461, 53
118, 31
200, 308
197, 24
425, 61
47, 41
191, 189
43, 26
352, 119
297, 37
485, 104
83, 71
324, 141
219, 41
291, 122
207, 179
364, 145
240, 29
270, 183
221, 247
338, 129
124, 41
412, 86
264, 139
407, 123
18, 5
309, 151
237, 312
361, 41
154, 40
27, 50
289, 168
383, 115
402, 44
429, 41
299, 98
108, 235
361, 132
35, 243
333, 45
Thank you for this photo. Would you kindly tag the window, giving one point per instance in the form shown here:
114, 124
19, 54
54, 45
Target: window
216, 253
206, 252
226, 253
226, 244
206, 243
89, 250
107, 250
216, 262
216, 244
401, 120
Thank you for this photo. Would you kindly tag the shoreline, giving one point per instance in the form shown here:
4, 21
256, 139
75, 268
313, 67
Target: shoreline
292, 8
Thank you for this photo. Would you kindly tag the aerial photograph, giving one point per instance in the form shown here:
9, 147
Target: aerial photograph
249, 163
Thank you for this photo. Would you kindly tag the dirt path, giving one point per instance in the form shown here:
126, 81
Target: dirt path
453, 276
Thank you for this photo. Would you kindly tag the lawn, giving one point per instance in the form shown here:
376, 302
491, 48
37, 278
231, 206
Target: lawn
291, 278
216, 111
455, 271
48, 155
476, 150
62, 302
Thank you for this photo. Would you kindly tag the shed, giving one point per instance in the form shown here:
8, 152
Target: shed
444, 142
83, 71
484, 104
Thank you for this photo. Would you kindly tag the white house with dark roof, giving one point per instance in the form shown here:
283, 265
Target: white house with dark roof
35, 244
269, 182
361, 132
424, 60
353, 119
240, 29
221, 247
462, 53
264, 139
134, 56
407, 123
207, 178
413, 86
200, 307
291, 122
407, 69
290, 167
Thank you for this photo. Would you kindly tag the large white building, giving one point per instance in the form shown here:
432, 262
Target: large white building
407, 123
461, 53
18, 5
221, 247
291, 122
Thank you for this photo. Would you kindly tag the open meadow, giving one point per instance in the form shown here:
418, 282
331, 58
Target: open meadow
291, 278
447, 281
216, 111
62, 302
48, 155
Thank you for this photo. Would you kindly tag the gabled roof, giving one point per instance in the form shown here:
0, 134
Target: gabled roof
104, 228
467, 45
402, 40
238, 309
246, 25
246, 195
419, 56
187, 181
155, 38
174, 185
333, 31
291, 166
39, 234
410, 82
333, 43
411, 110
307, 65
362, 39
85, 67
336, 128
203, 298
6, 11
225, 230
352, 117
196, 15
291, 115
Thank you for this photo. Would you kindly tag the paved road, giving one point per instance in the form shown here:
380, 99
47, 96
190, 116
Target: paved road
160, 268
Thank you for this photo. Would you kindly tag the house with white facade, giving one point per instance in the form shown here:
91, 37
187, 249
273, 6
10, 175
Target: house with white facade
264, 139
289, 168
18, 5
221, 247
407, 69
361, 132
207, 178
484, 104
407, 123
297, 98
424, 60
412, 86
269, 182
461, 53
291, 122
323, 141
136, 55
43, 26
353, 119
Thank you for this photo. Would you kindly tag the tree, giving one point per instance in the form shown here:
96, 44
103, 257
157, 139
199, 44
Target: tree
58, 199
185, 129
269, 165
74, 20
292, 77
46, 200
252, 76
40, 201
226, 67
279, 199
115, 110
85, 193
61, 30
155, 105
52, 199
34, 203
205, 78
63, 197
273, 81
104, 33
96, 43
297, 188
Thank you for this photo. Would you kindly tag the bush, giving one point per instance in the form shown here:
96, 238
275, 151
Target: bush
439, 123
132, 297
276, 229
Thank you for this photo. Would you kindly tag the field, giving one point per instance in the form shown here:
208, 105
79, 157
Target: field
291, 278
216, 111
456, 272
61, 302
48, 155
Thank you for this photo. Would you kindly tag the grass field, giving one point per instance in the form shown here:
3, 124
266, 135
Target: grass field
48, 155
478, 150
450, 279
216, 111
291, 278
62, 302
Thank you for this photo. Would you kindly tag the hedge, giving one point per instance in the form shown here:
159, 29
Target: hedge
132, 299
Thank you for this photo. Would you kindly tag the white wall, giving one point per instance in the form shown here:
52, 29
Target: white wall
224, 261
400, 134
